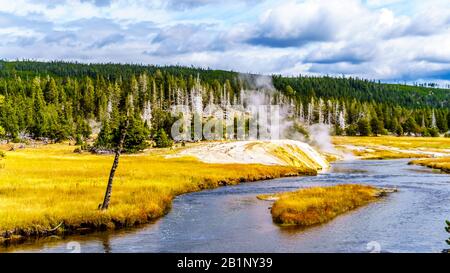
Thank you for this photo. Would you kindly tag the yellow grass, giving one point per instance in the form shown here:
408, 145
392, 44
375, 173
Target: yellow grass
43, 186
391, 147
398, 142
442, 164
318, 205
373, 153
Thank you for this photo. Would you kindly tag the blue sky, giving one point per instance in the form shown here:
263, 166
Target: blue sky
390, 40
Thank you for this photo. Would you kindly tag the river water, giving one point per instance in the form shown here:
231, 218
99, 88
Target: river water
231, 219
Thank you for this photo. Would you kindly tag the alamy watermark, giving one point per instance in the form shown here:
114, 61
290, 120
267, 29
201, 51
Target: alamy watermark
373, 247
74, 247
217, 123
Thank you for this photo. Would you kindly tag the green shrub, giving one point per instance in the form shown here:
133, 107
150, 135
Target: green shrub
85, 147
79, 139
2, 132
162, 140
351, 130
434, 132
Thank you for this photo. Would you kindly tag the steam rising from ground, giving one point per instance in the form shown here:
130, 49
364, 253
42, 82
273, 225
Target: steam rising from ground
276, 135
321, 138
319, 135
257, 82
258, 113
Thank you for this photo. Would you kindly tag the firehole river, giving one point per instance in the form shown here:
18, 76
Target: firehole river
231, 219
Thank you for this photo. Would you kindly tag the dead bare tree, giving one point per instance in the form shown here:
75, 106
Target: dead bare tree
117, 153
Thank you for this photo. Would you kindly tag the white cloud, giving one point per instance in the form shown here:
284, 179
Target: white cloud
379, 39
71, 10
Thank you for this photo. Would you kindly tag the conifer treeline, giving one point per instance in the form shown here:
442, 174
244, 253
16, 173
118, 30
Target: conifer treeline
60, 100
371, 108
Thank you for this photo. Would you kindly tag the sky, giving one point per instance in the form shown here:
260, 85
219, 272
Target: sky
388, 40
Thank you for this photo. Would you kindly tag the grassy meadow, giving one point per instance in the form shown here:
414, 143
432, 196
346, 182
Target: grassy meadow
46, 185
442, 164
317, 205
392, 147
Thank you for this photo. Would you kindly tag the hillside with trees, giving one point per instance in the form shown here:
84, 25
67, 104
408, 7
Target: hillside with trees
56, 101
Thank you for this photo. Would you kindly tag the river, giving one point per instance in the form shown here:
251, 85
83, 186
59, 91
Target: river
231, 219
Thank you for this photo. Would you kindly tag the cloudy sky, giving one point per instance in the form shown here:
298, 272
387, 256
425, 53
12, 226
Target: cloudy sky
389, 40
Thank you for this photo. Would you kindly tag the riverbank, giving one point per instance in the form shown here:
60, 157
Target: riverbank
48, 189
392, 147
231, 219
442, 164
317, 205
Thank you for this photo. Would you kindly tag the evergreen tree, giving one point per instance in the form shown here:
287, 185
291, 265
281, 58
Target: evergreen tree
58, 100
410, 126
433, 132
39, 126
448, 119
377, 126
2, 133
351, 130
136, 136
51, 91
104, 140
364, 127
161, 120
425, 132
83, 128
88, 98
162, 140
399, 130
136, 133
441, 122
338, 131
289, 91
9, 119
79, 140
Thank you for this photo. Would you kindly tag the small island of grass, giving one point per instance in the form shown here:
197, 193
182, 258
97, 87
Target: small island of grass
310, 206
442, 164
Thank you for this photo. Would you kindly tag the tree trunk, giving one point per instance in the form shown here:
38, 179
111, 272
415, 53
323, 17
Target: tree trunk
108, 192
110, 181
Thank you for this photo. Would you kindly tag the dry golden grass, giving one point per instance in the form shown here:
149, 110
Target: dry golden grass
393, 141
442, 164
391, 147
43, 186
374, 154
318, 205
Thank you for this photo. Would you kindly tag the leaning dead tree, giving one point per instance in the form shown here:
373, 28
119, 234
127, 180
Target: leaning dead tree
118, 150
117, 153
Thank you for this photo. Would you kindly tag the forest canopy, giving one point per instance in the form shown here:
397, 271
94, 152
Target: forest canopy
65, 100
